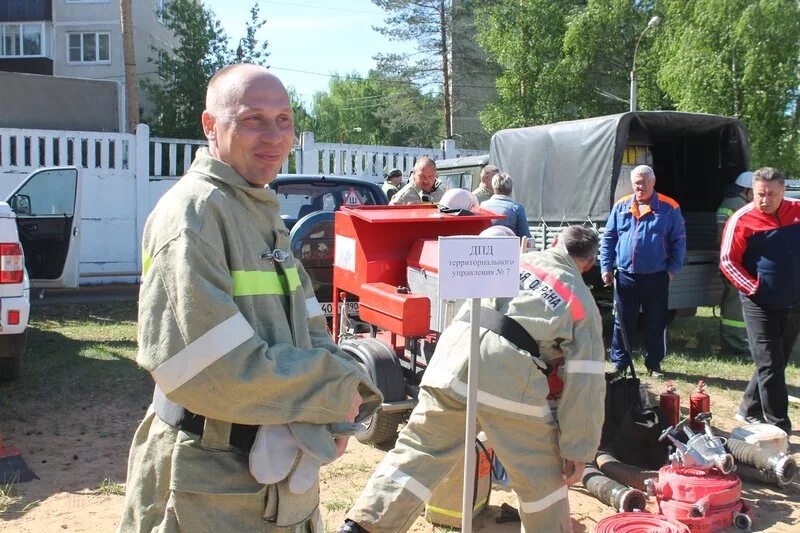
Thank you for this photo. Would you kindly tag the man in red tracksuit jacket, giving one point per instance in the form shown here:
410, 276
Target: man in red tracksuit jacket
760, 255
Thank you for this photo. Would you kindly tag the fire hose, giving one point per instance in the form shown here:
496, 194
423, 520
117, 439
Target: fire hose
612, 493
777, 469
638, 522
625, 473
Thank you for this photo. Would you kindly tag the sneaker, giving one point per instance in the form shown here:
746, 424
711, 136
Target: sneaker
655, 374
745, 419
351, 527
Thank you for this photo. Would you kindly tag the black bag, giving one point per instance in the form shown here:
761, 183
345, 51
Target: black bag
636, 440
622, 396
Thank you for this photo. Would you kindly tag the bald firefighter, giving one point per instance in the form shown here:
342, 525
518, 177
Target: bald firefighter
732, 333
422, 188
250, 391
544, 451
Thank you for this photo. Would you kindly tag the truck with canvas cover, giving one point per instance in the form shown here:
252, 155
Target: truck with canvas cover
573, 173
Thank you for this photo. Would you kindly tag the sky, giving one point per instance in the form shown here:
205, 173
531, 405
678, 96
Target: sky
311, 39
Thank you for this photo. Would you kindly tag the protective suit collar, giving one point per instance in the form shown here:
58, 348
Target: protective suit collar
206, 164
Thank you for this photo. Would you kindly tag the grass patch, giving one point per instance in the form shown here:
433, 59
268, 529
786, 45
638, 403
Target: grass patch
109, 487
694, 353
8, 498
340, 470
339, 504
77, 354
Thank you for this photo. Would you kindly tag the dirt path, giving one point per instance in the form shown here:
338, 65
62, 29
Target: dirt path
74, 456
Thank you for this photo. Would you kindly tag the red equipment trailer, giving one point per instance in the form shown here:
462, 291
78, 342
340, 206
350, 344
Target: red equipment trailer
388, 258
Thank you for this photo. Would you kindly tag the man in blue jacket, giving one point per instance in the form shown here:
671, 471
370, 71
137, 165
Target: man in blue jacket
645, 240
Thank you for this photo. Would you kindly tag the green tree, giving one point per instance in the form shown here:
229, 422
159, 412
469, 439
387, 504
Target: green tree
379, 109
303, 121
526, 40
740, 58
251, 50
428, 23
178, 97
564, 60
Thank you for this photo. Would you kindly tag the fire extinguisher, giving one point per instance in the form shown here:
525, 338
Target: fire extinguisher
670, 403
699, 402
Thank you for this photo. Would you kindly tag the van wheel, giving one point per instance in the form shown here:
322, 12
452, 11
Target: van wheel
11, 349
380, 363
380, 427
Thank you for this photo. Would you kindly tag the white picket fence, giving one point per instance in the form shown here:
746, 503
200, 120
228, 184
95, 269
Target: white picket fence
124, 175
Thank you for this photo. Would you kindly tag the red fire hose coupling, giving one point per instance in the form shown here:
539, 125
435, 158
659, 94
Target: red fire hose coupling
704, 500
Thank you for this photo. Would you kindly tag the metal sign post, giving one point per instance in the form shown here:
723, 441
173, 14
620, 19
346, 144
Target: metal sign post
476, 267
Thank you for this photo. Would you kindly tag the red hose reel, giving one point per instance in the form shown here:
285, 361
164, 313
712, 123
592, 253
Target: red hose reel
704, 500
639, 522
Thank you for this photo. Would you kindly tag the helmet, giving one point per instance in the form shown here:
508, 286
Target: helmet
458, 202
745, 179
498, 231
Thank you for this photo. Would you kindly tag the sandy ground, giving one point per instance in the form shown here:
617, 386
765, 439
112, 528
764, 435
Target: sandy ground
73, 457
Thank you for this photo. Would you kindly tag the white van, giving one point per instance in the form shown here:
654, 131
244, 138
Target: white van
39, 246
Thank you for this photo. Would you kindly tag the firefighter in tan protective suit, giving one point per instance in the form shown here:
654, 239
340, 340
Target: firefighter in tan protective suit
544, 451
732, 333
422, 187
251, 393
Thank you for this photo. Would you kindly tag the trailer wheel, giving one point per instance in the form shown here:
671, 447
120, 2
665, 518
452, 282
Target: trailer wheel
382, 366
11, 349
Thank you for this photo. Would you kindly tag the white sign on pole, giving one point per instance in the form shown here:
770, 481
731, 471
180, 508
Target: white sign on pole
478, 267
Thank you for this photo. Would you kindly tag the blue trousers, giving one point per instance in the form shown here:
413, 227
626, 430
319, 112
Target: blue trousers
650, 292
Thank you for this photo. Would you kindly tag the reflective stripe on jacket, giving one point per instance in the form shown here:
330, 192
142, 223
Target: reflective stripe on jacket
225, 328
557, 309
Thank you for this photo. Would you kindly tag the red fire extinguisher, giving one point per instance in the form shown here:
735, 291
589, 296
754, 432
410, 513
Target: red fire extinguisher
670, 403
699, 402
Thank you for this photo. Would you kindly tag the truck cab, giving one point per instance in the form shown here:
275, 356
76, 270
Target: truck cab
39, 246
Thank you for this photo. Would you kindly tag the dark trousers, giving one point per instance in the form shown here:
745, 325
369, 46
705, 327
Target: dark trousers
650, 292
771, 334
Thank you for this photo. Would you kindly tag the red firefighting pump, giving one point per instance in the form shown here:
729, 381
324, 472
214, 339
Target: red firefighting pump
388, 258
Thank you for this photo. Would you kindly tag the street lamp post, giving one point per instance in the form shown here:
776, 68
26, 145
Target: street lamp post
634, 89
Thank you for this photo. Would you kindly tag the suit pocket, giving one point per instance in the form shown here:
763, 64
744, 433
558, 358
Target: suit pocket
213, 490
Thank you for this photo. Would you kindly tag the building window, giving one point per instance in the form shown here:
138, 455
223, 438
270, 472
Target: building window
89, 47
161, 6
29, 39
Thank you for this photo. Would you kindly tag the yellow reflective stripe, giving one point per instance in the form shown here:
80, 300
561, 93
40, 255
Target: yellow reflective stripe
147, 262
732, 323
257, 282
455, 514
725, 211
293, 278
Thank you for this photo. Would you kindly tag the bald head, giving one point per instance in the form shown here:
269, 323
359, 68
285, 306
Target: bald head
227, 87
424, 174
248, 121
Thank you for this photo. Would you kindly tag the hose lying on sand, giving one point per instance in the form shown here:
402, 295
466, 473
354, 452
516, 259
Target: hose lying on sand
630, 475
612, 493
776, 469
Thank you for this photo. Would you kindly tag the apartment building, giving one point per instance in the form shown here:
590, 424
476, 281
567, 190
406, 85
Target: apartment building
79, 38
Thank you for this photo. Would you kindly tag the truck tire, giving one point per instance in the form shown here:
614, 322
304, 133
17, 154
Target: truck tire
11, 349
382, 366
